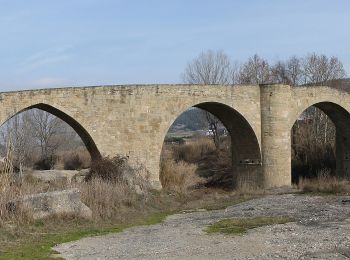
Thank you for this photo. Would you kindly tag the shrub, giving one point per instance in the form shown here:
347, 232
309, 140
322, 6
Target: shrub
107, 199
107, 168
73, 163
118, 170
179, 176
45, 163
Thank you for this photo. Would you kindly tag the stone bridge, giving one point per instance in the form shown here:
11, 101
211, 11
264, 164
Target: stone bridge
134, 120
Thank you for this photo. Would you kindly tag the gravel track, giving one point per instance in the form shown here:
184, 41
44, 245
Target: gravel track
322, 231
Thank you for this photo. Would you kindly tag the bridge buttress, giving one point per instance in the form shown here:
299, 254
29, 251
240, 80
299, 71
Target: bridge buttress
275, 135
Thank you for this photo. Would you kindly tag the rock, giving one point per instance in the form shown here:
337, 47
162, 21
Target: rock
80, 175
53, 175
43, 205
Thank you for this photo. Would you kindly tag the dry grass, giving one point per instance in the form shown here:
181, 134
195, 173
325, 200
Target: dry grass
324, 184
179, 176
110, 201
12, 190
214, 166
80, 154
193, 151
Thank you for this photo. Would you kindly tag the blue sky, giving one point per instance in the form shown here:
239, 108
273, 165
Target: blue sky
93, 42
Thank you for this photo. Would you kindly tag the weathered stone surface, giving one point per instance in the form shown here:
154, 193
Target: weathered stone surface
133, 121
54, 175
43, 205
79, 176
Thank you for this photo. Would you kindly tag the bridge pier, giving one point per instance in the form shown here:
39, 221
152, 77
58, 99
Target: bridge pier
275, 135
343, 155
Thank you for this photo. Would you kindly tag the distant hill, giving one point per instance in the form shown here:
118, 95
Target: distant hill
193, 119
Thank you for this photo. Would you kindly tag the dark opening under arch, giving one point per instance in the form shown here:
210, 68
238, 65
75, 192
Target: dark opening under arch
340, 117
245, 149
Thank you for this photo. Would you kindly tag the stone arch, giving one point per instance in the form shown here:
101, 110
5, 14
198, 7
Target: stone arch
246, 152
78, 128
341, 119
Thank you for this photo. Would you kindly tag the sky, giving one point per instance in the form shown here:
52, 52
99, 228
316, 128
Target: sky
68, 43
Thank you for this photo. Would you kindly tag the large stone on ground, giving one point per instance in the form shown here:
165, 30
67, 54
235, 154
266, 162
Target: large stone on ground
80, 176
43, 205
53, 175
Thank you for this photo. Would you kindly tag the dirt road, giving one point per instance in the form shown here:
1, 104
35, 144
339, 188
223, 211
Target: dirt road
322, 231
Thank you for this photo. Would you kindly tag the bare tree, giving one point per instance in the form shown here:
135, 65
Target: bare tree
255, 71
319, 69
235, 69
294, 69
210, 67
279, 73
16, 133
46, 130
287, 72
214, 123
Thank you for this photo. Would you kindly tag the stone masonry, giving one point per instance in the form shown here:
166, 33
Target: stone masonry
133, 120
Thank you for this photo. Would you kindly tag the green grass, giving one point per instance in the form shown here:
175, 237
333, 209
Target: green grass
41, 247
237, 226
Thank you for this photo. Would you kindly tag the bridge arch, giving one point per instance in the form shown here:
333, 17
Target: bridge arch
340, 117
78, 128
245, 147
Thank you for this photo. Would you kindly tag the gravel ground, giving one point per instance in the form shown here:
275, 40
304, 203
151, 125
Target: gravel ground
322, 231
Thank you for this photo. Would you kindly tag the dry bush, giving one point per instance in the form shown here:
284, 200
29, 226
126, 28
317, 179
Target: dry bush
109, 200
324, 184
45, 163
73, 163
118, 170
194, 151
9, 192
114, 188
73, 160
179, 176
213, 164
109, 169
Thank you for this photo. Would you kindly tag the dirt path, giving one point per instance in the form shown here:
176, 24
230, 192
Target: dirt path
321, 232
